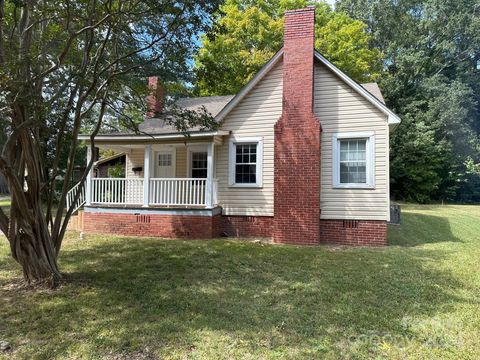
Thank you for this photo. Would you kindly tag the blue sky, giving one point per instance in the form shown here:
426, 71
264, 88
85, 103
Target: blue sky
331, 2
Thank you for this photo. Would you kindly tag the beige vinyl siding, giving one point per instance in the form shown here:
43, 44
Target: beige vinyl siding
134, 159
181, 166
254, 116
342, 109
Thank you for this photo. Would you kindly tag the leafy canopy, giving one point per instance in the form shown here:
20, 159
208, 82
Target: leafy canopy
248, 33
432, 79
71, 66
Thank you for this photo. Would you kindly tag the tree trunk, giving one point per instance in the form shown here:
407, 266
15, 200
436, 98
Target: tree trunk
30, 241
37, 257
27, 228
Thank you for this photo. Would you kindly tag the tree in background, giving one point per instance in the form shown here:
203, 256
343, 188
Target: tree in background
248, 33
67, 65
432, 80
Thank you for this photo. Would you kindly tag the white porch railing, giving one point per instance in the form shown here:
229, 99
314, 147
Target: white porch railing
181, 192
114, 191
72, 193
162, 191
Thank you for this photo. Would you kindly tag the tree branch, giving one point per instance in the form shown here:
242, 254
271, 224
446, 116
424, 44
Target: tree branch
2, 40
61, 57
59, 237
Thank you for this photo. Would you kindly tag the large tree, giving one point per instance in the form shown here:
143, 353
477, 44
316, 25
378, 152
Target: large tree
65, 65
432, 80
248, 33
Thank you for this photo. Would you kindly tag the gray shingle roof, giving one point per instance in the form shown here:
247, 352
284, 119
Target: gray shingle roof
156, 126
213, 104
373, 89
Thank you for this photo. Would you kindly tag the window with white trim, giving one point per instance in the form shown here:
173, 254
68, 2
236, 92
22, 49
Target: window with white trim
199, 164
354, 160
245, 162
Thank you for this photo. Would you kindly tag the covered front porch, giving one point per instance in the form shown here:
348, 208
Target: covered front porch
160, 172
188, 192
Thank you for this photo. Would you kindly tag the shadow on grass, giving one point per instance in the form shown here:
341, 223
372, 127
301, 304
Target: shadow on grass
127, 295
417, 229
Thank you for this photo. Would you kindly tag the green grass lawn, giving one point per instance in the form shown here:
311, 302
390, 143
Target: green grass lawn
148, 298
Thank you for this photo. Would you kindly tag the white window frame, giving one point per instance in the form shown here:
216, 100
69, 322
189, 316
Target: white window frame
370, 159
191, 149
233, 160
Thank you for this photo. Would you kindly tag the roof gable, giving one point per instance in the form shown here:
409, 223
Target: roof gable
393, 119
249, 86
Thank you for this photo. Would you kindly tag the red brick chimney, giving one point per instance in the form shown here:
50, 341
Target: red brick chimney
156, 97
297, 137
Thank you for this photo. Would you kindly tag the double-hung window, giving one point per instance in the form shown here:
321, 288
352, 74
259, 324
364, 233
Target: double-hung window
354, 160
245, 162
199, 164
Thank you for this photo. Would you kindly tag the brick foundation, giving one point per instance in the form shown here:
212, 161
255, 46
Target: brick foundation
353, 232
246, 226
154, 225
340, 232
177, 226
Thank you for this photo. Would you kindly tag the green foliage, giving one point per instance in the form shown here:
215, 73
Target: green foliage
470, 190
116, 171
248, 33
345, 43
103, 153
416, 159
432, 81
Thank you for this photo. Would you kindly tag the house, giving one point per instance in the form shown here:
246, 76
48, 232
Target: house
112, 166
301, 156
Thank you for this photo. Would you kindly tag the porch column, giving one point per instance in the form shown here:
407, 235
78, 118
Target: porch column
88, 187
146, 175
210, 167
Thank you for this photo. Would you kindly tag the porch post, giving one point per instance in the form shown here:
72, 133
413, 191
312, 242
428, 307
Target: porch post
210, 166
146, 175
88, 187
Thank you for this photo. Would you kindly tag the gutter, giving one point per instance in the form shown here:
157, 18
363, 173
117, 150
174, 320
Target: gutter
155, 136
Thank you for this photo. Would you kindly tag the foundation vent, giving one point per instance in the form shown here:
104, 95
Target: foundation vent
144, 219
350, 224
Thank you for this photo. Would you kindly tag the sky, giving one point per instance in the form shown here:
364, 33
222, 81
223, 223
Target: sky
331, 2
